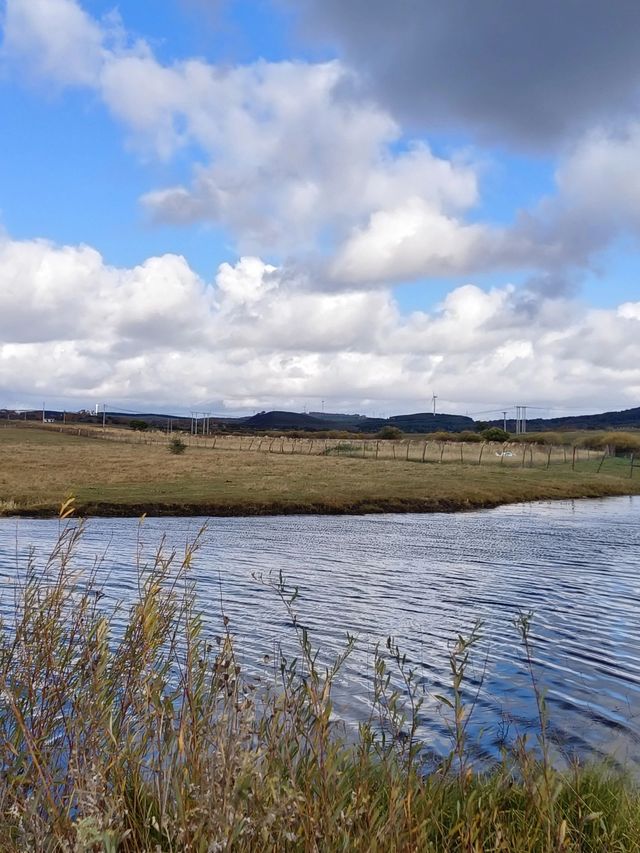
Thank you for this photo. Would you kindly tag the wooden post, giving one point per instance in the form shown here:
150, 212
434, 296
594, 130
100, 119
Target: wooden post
441, 450
407, 456
364, 448
271, 443
564, 450
549, 456
461, 454
573, 460
604, 456
282, 446
531, 455
393, 447
310, 447
631, 465
504, 450
424, 450
481, 452
377, 448
524, 454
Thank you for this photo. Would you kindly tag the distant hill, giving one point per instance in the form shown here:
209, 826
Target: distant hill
420, 422
428, 422
284, 421
625, 419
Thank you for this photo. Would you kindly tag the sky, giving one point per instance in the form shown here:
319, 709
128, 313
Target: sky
239, 205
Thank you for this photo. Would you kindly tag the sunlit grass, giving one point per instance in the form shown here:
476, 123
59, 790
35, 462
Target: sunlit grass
40, 468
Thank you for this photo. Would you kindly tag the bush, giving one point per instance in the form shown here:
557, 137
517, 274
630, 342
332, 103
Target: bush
177, 446
495, 434
619, 442
140, 426
390, 433
467, 435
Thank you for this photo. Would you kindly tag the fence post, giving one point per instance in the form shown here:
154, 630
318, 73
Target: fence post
408, 446
604, 456
377, 448
631, 465
393, 447
549, 456
310, 447
524, 455
481, 452
573, 460
424, 450
441, 450
461, 454
364, 448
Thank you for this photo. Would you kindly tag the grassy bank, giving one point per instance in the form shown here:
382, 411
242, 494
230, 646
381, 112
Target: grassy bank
149, 737
40, 468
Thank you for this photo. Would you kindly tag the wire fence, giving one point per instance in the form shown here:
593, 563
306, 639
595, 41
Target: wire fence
511, 454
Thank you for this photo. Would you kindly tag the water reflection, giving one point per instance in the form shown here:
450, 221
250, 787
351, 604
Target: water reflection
422, 578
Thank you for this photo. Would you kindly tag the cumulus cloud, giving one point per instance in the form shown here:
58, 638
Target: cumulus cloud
529, 73
55, 38
157, 334
292, 154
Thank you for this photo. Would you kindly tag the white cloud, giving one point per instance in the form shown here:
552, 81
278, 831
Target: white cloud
293, 156
55, 39
81, 330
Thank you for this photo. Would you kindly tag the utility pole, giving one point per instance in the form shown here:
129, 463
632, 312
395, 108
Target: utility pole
104, 415
521, 420
435, 397
504, 421
43, 414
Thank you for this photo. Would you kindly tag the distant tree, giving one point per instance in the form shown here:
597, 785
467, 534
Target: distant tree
140, 426
495, 434
481, 426
391, 433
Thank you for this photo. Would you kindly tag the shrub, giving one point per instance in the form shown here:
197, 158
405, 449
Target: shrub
495, 434
620, 442
177, 446
390, 433
140, 426
467, 435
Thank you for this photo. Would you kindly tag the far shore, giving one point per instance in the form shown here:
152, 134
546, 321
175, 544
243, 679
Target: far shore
111, 478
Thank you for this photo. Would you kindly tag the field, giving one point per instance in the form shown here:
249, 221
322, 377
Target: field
130, 474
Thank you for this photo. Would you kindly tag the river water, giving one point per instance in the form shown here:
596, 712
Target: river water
421, 578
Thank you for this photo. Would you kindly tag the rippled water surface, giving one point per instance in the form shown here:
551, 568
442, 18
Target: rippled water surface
423, 578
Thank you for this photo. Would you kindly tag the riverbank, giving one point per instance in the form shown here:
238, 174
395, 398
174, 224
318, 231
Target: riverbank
40, 469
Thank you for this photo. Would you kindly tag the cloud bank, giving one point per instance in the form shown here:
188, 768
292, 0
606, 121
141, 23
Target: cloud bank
71, 324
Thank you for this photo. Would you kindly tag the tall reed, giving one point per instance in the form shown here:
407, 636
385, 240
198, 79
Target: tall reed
133, 730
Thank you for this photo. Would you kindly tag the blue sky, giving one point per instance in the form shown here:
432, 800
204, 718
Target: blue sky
394, 206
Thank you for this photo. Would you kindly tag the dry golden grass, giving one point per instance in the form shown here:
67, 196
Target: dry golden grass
39, 468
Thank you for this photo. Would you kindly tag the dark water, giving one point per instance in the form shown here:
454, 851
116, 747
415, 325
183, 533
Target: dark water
423, 578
